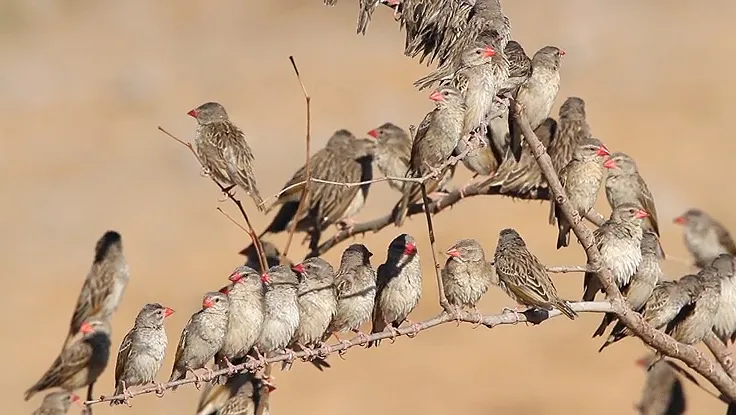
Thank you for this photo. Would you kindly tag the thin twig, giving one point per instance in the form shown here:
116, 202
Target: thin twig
490, 321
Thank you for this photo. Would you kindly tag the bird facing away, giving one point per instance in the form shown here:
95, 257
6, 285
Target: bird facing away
399, 285
202, 337
725, 322
245, 400
142, 350
223, 150
56, 403
355, 285
393, 150
245, 319
663, 393
625, 185
104, 286
467, 275
273, 256
705, 237
695, 320
523, 277
80, 364
572, 129
281, 317
619, 242
214, 396
581, 178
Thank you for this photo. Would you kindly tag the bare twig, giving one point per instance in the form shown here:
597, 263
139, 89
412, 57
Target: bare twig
721, 353
654, 338
490, 321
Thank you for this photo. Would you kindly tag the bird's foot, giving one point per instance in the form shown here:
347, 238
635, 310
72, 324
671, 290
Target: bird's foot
324, 349
289, 355
364, 339
415, 329
345, 344
479, 317
205, 172
345, 225
310, 353
227, 193
514, 311
160, 390
231, 369
197, 380
394, 333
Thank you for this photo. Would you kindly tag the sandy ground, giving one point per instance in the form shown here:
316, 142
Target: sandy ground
84, 85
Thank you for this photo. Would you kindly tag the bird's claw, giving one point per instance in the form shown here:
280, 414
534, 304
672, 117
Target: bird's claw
345, 225
479, 315
346, 344
515, 312
160, 390
394, 333
415, 329
364, 339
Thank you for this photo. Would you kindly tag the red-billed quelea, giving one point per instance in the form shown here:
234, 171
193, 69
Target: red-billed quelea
273, 256
223, 150
435, 139
639, 289
467, 275
572, 129
705, 237
244, 401
523, 277
399, 285
619, 242
56, 403
281, 317
624, 184
245, 320
393, 150
663, 392
537, 95
355, 284
695, 321
104, 286
202, 337
581, 178
214, 396
725, 321
142, 351
80, 364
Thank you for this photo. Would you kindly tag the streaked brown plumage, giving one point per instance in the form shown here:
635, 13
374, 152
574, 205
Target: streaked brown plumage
624, 184
214, 396
705, 237
104, 286
355, 284
663, 392
581, 178
56, 403
696, 319
619, 242
467, 275
572, 129
523, 277
725, 322
244, 401
223, 150
80, 364
393, 150
435, 139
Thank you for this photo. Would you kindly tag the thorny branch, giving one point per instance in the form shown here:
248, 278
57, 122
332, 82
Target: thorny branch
506, 317
654, 338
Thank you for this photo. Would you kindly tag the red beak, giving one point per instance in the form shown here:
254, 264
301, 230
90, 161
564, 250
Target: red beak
373, 133
488, 52
75, 398
225, 289
192, 113
562, 52
298, 268
85, 328
235, 277
642, 361
641, 214
265, 279
207, 302
603, 151
168, 311
609, 164
437, 96
453, 252
410, 248
680, 220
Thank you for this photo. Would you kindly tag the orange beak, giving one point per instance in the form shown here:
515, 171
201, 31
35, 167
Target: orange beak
192, 113
85, 328
680, 220
609, 164
641, 214
603, 151
488, 52
168, 311
207, 302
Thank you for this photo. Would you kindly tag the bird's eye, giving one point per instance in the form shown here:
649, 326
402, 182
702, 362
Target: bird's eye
445, 93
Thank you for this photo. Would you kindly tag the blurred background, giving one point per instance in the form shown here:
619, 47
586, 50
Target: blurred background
84, 84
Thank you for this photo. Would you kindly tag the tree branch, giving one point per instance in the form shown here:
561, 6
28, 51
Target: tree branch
533, 316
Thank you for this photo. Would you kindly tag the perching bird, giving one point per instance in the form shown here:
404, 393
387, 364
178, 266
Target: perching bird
104, 286
467, 275
355, 284
244, 401
523, 277
619, 242
281, 317
399, 285
581, 178
695, 320
56, 403
435, 139
142, 350
393, 150
625, 185
214, 396
273, 256
537, 95
725, 322
642, 283
245, 317
202, 337
572, 128
705, 237
663, 392
80, 364
223, 150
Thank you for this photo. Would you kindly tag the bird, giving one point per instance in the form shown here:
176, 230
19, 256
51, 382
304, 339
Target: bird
572, 128
705, 237
537, 95
619, 242
393, 150
142, 350
281, 317
624, 184
80, 364
272, 254
245, 400
355, 287
223, 150
696, 319
467, 275
56, 403
435, 140
202, 337
317, 302
104, 286
663, 393
214, 396
523, 277
246, 309
639, 289
581, 179
725, 322
398, 286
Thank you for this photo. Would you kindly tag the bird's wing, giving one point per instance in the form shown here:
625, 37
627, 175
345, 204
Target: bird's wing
334, 200
415, 158
182, 343
647, 202
92, 296
70, 362
724, 238
343, 284
123, 355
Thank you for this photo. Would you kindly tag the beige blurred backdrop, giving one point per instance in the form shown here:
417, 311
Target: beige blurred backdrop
83, 85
